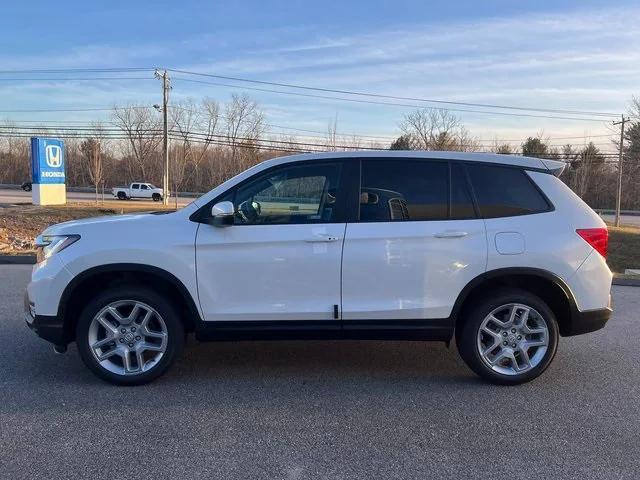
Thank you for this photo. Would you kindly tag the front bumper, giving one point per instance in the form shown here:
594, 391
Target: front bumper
50, 328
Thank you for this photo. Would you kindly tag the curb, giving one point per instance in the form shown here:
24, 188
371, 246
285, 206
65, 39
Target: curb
626, 282
17, 259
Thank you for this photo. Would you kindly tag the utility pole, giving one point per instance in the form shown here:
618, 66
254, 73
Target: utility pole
165, 131
619, 192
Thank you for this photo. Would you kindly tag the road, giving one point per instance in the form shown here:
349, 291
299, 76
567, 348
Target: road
19, 196
299, 410
633, 220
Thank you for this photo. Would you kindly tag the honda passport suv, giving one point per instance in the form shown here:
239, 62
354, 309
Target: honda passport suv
493, 251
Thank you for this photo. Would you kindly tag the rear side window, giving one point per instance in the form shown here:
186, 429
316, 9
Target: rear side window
505, 192
401, 190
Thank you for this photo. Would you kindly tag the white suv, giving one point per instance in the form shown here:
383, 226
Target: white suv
490, 249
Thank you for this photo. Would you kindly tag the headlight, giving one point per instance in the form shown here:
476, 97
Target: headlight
47, 245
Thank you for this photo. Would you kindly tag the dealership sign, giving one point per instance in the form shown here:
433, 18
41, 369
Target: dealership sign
47, 171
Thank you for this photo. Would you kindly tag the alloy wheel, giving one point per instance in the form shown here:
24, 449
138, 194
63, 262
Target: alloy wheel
513, 339
127, 337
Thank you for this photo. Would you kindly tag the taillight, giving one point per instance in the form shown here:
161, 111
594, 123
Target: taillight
598, 238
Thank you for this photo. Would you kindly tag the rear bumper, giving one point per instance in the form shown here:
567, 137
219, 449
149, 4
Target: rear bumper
588, 321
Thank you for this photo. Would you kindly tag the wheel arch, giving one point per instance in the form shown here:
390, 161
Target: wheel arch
76, 293
552, 289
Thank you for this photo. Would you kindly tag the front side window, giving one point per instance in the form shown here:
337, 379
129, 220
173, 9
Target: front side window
402, 190
289, 195
505, 191
144, 187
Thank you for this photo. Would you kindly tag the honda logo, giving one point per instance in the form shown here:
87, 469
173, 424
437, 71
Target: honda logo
53, 156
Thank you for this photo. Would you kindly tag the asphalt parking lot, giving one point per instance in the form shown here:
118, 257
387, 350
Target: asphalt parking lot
339, 410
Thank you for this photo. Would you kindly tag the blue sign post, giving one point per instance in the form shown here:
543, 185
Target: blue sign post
47, 171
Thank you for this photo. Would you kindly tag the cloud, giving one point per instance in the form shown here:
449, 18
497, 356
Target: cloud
580, 59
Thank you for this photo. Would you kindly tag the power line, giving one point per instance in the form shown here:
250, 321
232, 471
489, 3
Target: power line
46, 110
390, 104
279, 142
309, 88
383, 138
102, 130
74, 79
77, 70
394, 97
266, 144
69, 123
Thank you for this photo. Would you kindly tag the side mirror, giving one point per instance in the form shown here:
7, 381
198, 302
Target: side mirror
223, 214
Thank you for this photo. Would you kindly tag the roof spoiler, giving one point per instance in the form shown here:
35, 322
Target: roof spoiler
554, 166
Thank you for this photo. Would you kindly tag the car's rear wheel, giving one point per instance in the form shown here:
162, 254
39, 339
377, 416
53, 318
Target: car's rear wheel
122, 196
129, 335
510, 338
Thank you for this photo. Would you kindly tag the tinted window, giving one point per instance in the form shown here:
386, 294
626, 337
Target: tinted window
398, 189
135, 185
144, 187
504, 191
288, 195
461, 203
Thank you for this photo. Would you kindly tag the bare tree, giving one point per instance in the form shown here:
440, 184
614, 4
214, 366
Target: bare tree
332, 132
244, 125
14, 159
144, 134
437, 129
209, 124
405, 142
588, 162
92, 153
196, 128
502, 148
355, 141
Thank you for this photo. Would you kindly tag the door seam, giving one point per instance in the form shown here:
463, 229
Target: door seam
344, 240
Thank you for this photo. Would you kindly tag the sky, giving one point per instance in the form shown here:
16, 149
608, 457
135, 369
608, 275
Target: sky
576, 55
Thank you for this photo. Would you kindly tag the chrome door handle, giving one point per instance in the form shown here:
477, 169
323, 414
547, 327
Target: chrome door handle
322, 238
450, 234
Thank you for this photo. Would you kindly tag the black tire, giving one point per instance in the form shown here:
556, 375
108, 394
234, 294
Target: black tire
467, 335
122, 196
174, 327
156, 197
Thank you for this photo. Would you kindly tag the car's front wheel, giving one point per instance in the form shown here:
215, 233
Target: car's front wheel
156, 197
510, 338
129, 335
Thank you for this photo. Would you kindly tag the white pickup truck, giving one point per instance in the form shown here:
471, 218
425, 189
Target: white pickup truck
138, 190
